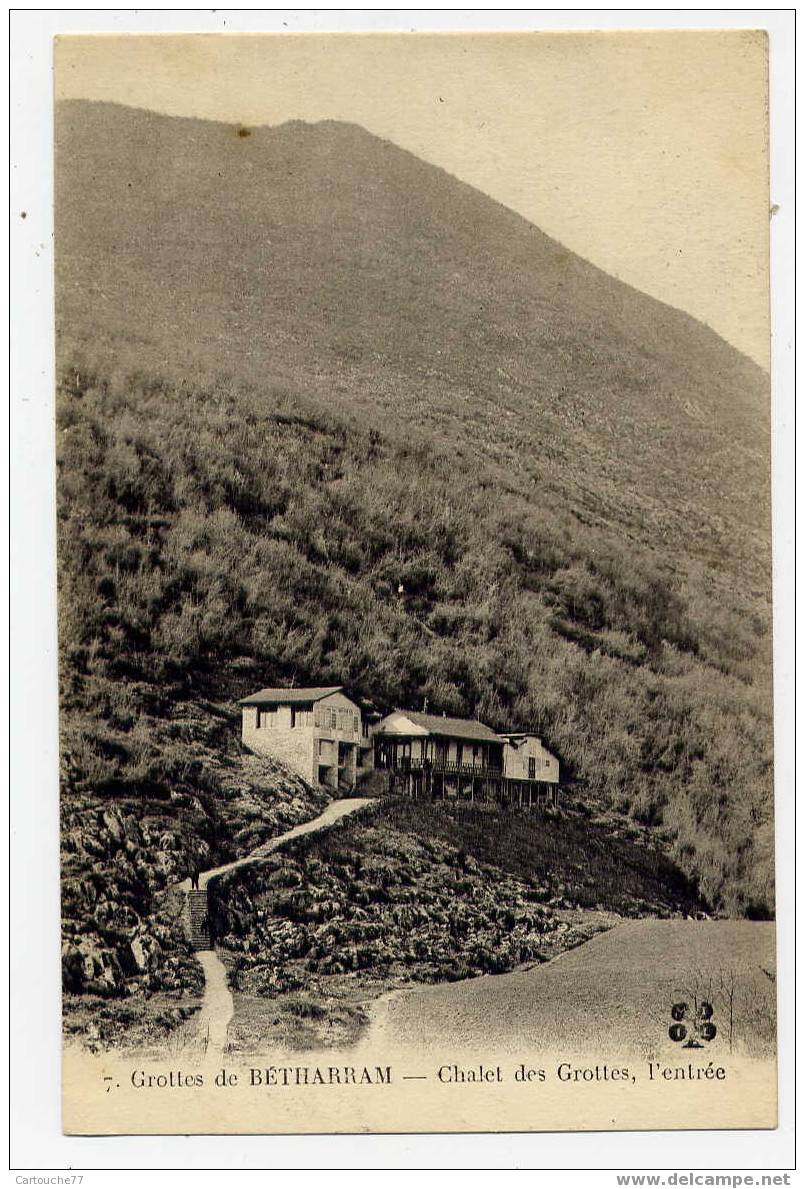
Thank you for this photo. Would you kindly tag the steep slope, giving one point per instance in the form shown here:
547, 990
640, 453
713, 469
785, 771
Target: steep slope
300, 368
323, 258
405, 875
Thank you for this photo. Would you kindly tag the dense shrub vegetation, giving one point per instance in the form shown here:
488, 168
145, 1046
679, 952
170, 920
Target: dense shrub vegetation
214, 539
580, 860
302, 369
378, 902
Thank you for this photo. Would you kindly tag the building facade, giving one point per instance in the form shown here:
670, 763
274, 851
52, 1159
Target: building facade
329, 739
525, 757
315, 732
429, 757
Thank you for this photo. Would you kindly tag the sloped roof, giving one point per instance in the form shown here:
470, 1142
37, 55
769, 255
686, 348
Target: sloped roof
517, 738
454, 728
290, 697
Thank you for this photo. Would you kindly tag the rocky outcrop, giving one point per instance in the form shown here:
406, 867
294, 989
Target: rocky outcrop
120, 932
377, 902
122, 929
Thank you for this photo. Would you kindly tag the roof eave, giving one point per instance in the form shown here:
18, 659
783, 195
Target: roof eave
316, 696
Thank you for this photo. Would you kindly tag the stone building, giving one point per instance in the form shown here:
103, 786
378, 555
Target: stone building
316, 732
331, 740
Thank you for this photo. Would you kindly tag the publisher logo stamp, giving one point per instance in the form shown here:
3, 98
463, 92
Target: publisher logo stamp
692, 1027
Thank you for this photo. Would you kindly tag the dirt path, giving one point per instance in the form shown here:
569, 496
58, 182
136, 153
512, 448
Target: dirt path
334, 811
217, 1007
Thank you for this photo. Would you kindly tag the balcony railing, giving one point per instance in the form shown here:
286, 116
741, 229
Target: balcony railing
442, 766
483, 788
450, 768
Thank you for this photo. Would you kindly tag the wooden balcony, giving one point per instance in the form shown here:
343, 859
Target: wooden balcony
468, 783
444, 766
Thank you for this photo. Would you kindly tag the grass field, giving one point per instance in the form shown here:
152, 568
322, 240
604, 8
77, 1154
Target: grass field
610, 996
157, 1025
331, 1017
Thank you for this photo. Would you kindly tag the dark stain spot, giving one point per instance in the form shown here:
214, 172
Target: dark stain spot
23, 214
244, 131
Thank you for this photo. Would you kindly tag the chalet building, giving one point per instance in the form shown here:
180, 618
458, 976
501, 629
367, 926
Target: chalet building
525, 757
432, 757
331, 740
316, 732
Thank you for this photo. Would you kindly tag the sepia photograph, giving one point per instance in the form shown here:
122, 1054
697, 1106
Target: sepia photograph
413, 444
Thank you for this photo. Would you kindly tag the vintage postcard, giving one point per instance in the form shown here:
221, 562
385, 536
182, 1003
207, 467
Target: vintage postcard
413, 439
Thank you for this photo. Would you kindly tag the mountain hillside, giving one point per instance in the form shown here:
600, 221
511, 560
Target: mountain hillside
320, 257
300, 368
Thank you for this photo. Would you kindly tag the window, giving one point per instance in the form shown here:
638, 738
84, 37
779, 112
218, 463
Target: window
334, 720
547, 763
532, 768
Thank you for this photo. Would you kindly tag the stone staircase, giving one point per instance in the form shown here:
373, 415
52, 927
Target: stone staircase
197, 920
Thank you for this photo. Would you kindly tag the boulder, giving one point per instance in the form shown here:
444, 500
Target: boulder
114, 826
146, 952
89, 966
